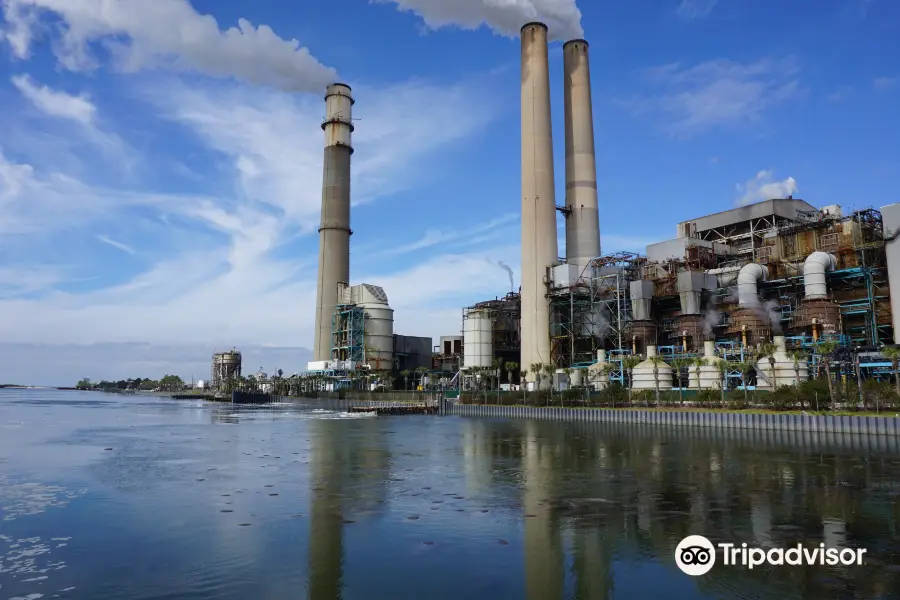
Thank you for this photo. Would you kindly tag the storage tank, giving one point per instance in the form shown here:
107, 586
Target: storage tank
597, 374
378, 339
577, 378
784, 368
478, 346
225, 366
643, 378
708, 377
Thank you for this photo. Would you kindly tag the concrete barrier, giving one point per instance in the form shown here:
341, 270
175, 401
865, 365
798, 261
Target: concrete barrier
829, 424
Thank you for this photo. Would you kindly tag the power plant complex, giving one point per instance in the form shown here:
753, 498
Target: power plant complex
780, 272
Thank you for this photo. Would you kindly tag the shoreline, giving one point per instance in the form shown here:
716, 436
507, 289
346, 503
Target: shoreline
887, 425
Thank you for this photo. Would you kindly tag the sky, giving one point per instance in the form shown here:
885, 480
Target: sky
161, 163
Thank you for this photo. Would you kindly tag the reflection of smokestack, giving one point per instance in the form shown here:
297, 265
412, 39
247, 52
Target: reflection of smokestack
582, 224
539, 248
326, 525
334, 231
544, 554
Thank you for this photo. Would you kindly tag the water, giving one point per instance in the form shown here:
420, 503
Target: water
107, 497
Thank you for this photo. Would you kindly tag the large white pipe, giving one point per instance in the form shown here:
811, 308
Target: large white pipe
814, 269
582, 221
334, 230
539, 249
749, 277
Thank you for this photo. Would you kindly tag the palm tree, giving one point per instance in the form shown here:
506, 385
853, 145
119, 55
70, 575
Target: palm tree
511, 367
746, 366
893, 353
405, 375
678, 364
536, 369
548, 371
523, 374
824, 349
656, 360
723, 367
697, 363
629, 363
767, 350
797, 356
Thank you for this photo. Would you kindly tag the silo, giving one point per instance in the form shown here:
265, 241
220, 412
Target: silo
478, 343
379, 328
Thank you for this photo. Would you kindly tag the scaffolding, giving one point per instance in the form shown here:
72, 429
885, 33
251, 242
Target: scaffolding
593, 312
348, 332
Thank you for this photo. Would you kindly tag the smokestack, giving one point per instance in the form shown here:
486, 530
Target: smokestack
539, 248
582, 220
334, 231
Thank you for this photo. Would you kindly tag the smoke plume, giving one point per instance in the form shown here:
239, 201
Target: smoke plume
509, 271
504, 17
711, 317
769, 312
163, 34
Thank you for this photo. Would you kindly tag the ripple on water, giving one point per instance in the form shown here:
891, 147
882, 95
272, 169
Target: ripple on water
31, 498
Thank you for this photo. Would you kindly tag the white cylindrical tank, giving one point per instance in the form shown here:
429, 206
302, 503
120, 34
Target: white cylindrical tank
379, 329
784, 371
478, 345
597, 374
707, 377
643, 377
576, 379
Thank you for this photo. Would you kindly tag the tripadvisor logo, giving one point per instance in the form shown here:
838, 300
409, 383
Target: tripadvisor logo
695, 555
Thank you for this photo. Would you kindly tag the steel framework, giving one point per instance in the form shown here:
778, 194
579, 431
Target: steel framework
348, 332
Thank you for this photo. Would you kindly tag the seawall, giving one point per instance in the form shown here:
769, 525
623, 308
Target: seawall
831, 424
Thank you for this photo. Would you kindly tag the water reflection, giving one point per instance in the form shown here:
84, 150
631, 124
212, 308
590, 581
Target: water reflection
621, 493
234, 502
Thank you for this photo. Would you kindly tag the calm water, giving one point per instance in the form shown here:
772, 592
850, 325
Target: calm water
128, 497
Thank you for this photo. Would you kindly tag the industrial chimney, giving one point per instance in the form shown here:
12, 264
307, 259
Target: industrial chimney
539, 249
582, 221
334, 231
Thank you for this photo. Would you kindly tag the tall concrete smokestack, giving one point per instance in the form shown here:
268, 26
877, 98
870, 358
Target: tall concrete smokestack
334, 231
582, 222
539, 249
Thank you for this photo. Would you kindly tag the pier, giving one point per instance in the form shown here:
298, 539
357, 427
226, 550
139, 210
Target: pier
397, 409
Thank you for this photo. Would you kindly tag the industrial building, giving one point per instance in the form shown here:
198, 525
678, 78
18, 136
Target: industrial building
780, 272
225, 367
354, 326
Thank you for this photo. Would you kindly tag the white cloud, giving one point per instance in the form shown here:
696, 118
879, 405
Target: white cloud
233, 291
764, 187
164, 34
54, 103
719, 93
119, 245
695, 9
505, 17
884, 83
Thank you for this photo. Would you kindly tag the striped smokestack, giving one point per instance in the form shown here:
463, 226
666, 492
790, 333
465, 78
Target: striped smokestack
334, 230
582, 221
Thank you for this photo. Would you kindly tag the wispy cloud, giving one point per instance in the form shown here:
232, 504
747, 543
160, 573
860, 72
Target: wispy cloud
141, 35
884, 83
455, 238
764, 187
718, 93
123, 247
695, 9
56, 104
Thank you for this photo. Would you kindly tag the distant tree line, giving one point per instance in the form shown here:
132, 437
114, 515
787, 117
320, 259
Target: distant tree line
169, 383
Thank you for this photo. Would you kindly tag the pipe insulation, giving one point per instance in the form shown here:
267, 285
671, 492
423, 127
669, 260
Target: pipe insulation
748, 279
815, 267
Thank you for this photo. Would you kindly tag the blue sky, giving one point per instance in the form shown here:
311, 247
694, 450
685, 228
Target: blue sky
160, 163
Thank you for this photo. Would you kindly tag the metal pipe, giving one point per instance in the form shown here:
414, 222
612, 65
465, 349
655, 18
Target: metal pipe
539, 248
815, 330
748, 278
334, 229
744, 336
582, 219
814, 269
684, 335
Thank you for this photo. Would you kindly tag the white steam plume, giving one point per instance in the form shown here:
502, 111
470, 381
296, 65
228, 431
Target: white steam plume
145, 34
504, 17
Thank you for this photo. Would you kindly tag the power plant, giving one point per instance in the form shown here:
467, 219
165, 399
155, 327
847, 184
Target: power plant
780, 273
